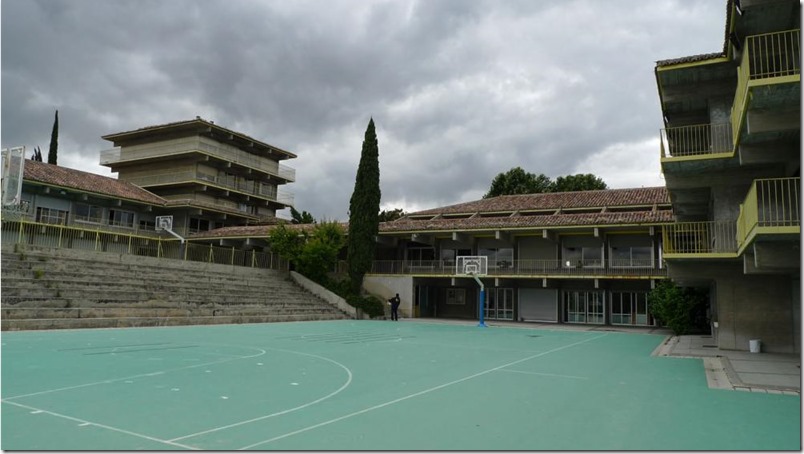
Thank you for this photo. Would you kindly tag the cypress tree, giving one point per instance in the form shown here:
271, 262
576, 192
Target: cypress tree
52, 155
364, 210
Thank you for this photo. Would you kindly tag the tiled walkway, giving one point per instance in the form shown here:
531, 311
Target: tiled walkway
775, 373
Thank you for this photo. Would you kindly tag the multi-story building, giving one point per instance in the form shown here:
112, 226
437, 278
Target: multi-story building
576, 257
730, 154
210, 176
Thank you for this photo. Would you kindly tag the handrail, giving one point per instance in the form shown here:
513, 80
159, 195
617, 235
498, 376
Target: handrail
696, 140
526, 267
765, 57
708, 237
771, 203
73, 237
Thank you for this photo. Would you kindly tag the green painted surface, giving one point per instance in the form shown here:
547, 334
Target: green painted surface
370, 385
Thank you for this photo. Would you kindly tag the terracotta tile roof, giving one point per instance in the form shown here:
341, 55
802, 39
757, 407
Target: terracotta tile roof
520, 222
552, 201
251, 231
53, 175
195, 124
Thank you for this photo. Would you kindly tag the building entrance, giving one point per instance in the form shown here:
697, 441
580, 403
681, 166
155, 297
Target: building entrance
499, 304
584, 307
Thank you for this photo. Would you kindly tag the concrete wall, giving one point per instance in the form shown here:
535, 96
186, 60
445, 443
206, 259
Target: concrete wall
760, 306
387, 286
326, 295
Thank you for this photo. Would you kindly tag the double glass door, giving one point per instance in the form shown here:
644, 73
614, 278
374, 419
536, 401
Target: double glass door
584, 307
499, 304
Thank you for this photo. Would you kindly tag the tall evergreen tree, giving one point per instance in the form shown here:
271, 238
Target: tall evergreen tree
364, 209
52, 155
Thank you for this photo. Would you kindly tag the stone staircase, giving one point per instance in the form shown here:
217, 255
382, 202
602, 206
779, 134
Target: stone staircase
65, 288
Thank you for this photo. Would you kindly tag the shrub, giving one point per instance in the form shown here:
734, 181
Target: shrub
370, 305
680, 309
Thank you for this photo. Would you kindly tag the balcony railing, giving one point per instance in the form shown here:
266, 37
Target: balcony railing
227, 182
101, 239
767, 59
771, 206
696, 140
527, 268
223, 152
714, 238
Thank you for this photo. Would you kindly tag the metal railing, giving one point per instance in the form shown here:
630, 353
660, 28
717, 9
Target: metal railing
226, 153
765, 57
710, 237
696, 140
526, 267
770, 203
228, 182
72, 237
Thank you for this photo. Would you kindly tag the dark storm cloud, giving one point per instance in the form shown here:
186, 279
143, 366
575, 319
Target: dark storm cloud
460, 90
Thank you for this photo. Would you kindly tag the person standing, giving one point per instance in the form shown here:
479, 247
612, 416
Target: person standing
395, 307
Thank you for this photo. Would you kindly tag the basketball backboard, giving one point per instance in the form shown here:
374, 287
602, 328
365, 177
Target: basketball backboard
164, 223
471, 265
13, 168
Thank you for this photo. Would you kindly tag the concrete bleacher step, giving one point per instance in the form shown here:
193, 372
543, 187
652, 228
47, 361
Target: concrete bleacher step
43, 288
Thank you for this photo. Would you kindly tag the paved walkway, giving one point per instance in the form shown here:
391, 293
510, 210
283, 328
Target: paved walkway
775, 373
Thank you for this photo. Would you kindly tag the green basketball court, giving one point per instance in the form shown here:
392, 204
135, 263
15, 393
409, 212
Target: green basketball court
372, 385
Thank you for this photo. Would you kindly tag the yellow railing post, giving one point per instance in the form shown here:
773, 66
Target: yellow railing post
186, 247
209, 259
233, 253
97, 238
19, 240
130, 237
253, 257
61, 231
159, 248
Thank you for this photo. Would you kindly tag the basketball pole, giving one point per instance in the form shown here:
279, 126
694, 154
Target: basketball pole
482, 299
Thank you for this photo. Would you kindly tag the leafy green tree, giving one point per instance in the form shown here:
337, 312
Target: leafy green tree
579, 182
683, 310
391, 215
287, 242
314, 252
517, 181
364, 209
52, 155
301, 218
319, 255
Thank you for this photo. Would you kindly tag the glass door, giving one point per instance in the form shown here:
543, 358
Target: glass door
584, 307
499, 304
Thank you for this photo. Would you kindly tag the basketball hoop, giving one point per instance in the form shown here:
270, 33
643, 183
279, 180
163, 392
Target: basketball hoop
474, 266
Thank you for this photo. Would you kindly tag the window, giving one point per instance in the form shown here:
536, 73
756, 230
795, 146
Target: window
499, 258
121, 218
577, 257
51, 216
632, 256
147, 224
198, 225
88, 213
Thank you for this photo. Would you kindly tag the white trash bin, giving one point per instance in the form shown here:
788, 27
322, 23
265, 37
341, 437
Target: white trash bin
754, 345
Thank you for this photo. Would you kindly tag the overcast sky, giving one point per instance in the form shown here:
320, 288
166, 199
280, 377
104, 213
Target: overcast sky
459, 90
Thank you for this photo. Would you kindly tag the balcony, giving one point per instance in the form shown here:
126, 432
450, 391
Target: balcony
249, 187
772, 207
195, 145
552, 268
710, 239
771, 60
707, 141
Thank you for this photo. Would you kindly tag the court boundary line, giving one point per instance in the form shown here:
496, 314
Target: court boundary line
544, 374
426, 391
149, 374
289, 410
85, 422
